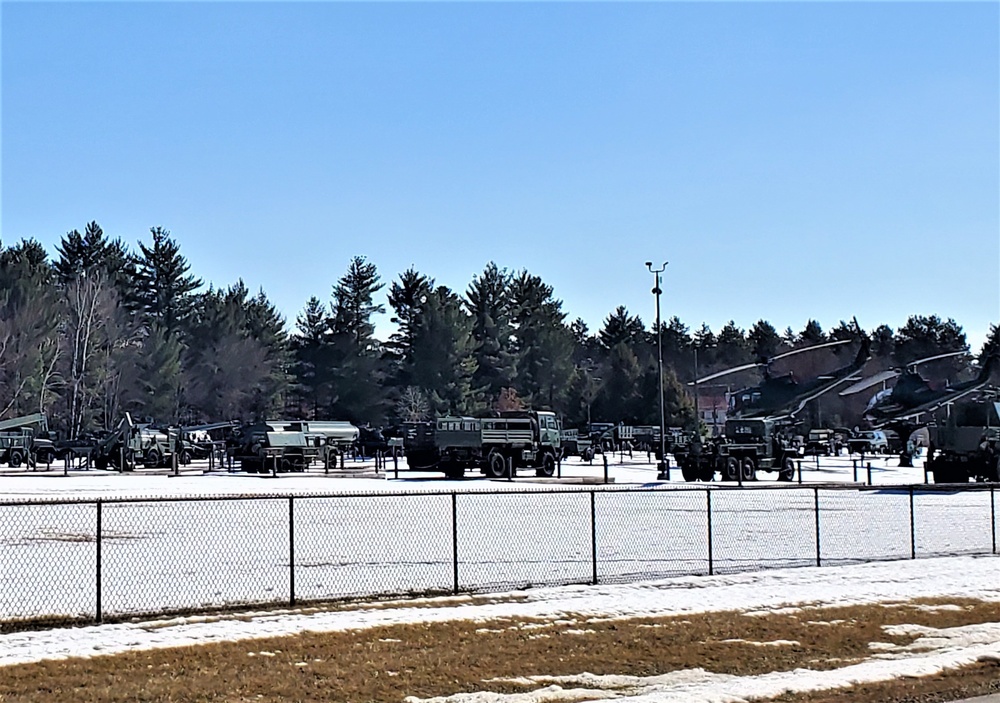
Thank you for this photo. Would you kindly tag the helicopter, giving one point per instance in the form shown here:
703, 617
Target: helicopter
782, 397
909, 405
913, 395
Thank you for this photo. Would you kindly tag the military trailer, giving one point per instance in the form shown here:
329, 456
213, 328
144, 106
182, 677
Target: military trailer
965, 442
753, 444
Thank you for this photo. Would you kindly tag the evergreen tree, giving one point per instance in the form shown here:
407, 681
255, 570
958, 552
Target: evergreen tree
311, 350
29, 339
166, 289
407, 297
621, 328
883, 342
733, 349
159, 378
543, 343
443, 353
488, 299
763, 340
620, 399
812, 333
926, 336
355, 354
991, 347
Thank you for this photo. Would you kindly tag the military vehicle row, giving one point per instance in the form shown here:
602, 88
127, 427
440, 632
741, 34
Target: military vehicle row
276, 445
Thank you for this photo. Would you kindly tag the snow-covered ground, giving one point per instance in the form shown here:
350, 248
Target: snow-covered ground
638, 470
259, 540
757, 593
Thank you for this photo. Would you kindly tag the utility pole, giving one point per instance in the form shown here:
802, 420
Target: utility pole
663, 469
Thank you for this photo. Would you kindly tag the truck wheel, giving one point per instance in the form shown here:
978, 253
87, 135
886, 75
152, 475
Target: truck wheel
588, 454
185, 458
548, 467
749, 469
454, 470
152, 458
732, 469
787, 472
496, 465
15, 458
707, 474
689, 472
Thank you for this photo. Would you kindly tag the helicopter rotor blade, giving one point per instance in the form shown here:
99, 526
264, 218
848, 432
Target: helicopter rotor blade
720, 374
935, 358
815, 346
867, 383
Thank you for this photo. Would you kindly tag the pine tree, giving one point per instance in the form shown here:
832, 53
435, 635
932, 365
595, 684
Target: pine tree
443, 353
542, 343
488, 299
165, 290
355, 356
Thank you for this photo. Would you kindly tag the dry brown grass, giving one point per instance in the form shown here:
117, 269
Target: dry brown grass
388, 663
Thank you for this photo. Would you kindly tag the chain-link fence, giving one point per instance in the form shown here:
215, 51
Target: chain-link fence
90, 560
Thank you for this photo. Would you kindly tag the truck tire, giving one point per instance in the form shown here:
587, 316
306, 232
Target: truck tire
732, 469
749, 469
689, 471
548, 467
496, 465
454, 470
15, 459
787, 472
152, 458
588, 454
707, 474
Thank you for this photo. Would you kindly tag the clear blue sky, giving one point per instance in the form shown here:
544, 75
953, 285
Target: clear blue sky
790, 160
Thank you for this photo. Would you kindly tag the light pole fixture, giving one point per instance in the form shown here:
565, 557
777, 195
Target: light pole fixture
663, 468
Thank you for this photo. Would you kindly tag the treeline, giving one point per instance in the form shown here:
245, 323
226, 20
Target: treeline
100, 329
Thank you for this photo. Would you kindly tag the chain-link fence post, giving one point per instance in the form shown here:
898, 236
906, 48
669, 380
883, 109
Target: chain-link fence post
100, 528
913, 528
605, 467
291, 550
819, 561
708, 512
993, 518
454, 541
593, 533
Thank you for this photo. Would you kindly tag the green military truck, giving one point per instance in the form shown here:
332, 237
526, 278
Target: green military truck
753, 444
965, 442
511, 439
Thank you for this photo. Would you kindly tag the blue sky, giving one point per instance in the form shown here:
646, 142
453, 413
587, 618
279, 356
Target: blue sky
790, 160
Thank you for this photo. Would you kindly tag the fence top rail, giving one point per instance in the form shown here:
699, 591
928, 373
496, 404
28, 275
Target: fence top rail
493, 491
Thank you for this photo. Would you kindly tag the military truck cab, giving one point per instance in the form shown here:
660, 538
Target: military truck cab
965, 443
753, 444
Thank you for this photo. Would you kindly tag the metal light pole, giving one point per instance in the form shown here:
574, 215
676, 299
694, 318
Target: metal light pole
663, 468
